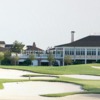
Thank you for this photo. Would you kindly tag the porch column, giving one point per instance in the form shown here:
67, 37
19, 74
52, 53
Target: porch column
96, 54
74, 54
63, 55
85, 55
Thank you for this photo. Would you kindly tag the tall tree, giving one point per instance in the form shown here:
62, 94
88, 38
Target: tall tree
1, 57
17, 47
50, 58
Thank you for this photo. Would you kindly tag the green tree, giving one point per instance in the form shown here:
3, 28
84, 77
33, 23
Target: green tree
31, 57
6, 60
7, 54
17, 47
50, 58
27, 62
14, 60
67, 60
1, 57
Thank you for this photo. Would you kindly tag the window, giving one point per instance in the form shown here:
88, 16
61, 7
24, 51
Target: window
78, 52
69, 51
83, 51
91, 51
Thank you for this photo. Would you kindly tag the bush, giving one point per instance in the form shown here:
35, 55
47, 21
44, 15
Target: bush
6, 61
27, 62
98, 61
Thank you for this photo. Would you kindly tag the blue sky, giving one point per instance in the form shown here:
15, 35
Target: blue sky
48, 22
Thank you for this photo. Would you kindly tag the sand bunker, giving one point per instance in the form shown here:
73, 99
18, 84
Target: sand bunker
32, 90
86, 77
71, 97
29, 89
97, 67
17, 74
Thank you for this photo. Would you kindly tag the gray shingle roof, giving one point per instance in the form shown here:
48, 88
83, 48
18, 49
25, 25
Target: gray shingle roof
33, 47
89, 41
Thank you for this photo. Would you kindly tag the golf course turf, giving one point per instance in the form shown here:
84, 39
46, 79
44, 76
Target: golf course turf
89, 86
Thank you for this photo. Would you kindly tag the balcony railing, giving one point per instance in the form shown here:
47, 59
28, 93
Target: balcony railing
39, 55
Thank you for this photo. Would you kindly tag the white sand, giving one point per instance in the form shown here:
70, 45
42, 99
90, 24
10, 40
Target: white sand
71, 97
31, 89
17, 74
86, 77
97, 67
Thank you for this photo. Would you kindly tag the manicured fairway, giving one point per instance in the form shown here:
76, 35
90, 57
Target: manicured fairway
71, 69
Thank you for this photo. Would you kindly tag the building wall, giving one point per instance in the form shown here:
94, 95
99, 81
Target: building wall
78, 53
2, 45
83, 54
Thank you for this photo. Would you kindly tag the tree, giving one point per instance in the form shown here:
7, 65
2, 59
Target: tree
67, 60
14, 60
50, 58
6, 60
7, 54
1, 57
17, 47
31, 57
27, 62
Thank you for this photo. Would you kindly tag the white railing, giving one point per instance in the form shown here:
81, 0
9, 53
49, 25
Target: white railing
39, 56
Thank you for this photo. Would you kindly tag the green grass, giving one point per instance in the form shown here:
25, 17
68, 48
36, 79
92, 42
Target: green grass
72, 69
89, 86
60, 94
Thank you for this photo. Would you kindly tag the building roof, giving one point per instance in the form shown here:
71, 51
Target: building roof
33, 47
89, 41
2, 42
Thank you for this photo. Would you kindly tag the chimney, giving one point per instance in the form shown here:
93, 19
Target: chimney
72, 36
34, 45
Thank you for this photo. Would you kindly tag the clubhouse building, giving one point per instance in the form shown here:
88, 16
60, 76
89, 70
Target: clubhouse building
85, 50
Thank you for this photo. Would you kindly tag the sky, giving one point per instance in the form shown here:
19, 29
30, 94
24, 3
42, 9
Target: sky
48, 22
